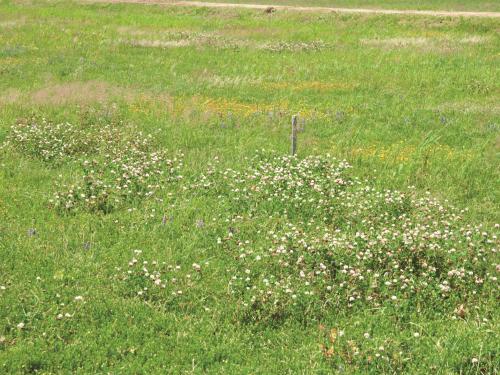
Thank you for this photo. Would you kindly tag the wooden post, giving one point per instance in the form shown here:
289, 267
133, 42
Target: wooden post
294, 134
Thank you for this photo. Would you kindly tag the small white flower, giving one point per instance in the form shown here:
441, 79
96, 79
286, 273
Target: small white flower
366, 335
20, 325
78, 298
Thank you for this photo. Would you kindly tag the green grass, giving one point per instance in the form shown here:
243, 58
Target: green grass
408, 101
448, 5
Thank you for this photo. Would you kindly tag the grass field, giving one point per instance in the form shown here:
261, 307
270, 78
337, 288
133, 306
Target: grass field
354, 278
448, 5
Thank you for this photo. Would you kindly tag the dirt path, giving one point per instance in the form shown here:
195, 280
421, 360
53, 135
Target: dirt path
436, 13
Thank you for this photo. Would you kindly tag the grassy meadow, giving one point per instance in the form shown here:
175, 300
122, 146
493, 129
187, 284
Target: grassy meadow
152, 222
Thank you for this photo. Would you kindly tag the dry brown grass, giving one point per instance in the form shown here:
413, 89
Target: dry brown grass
474, 39
82, 93
161, 43
426, 44
7, 24
175, 39
78, 93
471, 106
85, 94
214, 80
129, 30
310, 85
10, 96
397, 42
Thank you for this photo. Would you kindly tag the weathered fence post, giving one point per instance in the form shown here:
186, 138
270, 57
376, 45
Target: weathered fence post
294, 134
